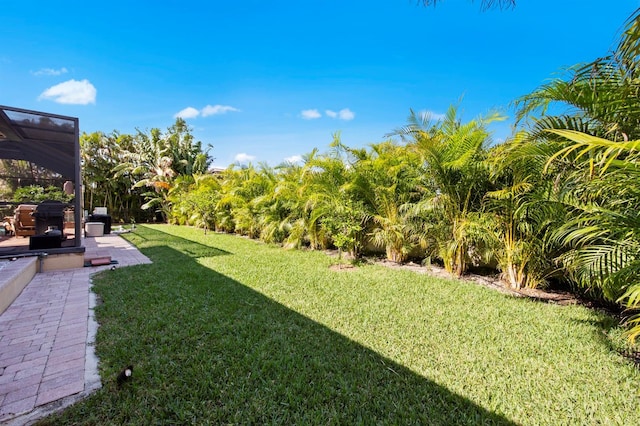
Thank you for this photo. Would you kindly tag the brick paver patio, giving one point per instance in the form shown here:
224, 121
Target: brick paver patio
46, 337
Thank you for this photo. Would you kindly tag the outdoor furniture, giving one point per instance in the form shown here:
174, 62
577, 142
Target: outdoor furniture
24, 224
94, 229
104, 218
40, 242
8, 225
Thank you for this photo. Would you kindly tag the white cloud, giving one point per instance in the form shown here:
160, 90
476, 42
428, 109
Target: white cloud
310, 114
346, 114
217, 109
50, 71
293, 159
188, 112
71, 92
432, 116
191, 112
244, 158
343, 114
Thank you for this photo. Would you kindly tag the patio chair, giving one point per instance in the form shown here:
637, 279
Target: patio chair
24, 224
7, 223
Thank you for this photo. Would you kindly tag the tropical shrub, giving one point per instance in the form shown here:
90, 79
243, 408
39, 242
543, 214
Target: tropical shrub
38, 194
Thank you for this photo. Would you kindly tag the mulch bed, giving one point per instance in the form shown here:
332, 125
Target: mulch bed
492, 282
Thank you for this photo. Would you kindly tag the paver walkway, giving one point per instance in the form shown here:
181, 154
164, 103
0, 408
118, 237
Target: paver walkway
46, 337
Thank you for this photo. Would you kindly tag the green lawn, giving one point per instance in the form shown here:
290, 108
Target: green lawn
222, 330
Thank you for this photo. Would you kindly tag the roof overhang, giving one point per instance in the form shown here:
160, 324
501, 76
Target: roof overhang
48, 140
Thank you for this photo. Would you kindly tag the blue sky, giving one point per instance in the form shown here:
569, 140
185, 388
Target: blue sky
266, 81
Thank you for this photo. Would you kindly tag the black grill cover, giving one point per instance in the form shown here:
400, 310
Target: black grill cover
49, 213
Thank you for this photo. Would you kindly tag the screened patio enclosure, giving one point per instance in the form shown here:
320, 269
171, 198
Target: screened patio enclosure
39, 152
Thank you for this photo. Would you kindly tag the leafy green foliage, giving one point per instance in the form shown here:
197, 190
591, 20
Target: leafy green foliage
592, 156
453, 155
37, 194
156, 159
101, 154
523, 211
132, 173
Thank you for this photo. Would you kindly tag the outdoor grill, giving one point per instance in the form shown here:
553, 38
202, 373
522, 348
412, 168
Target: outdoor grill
49, 214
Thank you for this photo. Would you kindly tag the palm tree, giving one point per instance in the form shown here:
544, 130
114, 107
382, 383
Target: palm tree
386, 179
452, 154
194, 200
243, 190
605, 235
100, 155
593, 153
156, 159
280, 206
187, 155
334, 209
224, 220
524, 209
599, 98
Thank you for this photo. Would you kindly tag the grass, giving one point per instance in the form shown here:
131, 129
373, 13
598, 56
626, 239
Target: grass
222, 329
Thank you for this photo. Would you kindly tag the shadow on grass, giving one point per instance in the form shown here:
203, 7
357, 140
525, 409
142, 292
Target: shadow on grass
147, 237
608, 333
209, 350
